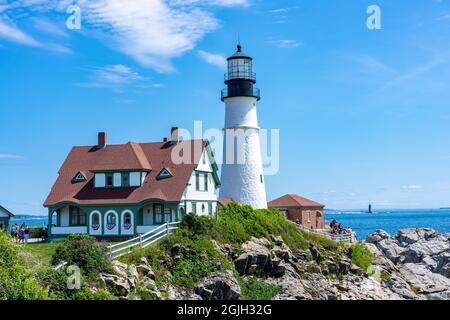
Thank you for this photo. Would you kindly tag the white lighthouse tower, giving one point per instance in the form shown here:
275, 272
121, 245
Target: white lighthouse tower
242, 169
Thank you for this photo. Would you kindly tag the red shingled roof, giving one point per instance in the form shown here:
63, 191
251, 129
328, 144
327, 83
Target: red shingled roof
150, 157
293, 200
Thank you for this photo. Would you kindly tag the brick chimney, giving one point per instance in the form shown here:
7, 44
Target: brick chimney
174, 134
165, 139
102, 139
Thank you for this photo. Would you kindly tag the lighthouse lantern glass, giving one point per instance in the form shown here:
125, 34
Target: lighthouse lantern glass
240, 69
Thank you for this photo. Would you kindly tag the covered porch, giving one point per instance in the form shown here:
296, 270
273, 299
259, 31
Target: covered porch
112, 221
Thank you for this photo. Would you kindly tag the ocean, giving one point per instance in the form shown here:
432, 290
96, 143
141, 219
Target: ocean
364, 223
38, 221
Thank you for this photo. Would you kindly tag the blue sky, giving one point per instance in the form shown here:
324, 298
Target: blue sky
363, 114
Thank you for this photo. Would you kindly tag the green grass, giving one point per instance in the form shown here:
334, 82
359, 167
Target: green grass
255, 289
42, 251
362, 257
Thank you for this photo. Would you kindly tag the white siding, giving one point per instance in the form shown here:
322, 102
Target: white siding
3, 214
64, 217
100, 180
117, 179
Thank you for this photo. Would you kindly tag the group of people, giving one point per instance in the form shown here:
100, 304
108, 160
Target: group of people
338, 228
20, 234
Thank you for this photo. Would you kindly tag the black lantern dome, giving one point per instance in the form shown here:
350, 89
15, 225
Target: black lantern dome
240, 78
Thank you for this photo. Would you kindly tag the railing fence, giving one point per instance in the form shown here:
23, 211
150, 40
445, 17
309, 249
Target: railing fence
144, 240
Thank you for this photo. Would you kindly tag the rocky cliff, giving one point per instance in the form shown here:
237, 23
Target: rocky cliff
412, 265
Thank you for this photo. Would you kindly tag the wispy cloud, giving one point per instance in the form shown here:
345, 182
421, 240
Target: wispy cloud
9, 31
50, 28
115, 77
10, 156
287, 43
281, 15
412, 187
152, 32
217, 60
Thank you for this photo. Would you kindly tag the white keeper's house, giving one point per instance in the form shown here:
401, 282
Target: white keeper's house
119, 191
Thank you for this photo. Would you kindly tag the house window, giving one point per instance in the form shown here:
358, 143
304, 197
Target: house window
125, 179
164, 174
167, 214
210, 208
204, 158
158, 209
197, 181
127, 221
95, 219
206, 181
111, 221
308, 215
194, 207
109, 180
203, 208
77, 217
79, 178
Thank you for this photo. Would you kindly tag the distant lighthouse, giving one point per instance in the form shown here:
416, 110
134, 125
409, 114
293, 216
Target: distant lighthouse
242, 169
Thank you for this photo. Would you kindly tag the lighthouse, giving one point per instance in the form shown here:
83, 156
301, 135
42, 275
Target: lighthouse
242, 169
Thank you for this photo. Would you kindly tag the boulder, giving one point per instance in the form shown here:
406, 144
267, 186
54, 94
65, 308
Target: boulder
391, 249
421, 278
256, 259
278, 240
417, 251
377, 236
315, 253
219, 286
120, 268
412, 235
117, 285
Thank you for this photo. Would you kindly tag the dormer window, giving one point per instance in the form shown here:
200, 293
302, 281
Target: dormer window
79, 177
109, 180
119, 179
164, 174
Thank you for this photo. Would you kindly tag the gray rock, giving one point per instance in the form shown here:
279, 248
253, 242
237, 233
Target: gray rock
120, 268
420, 277
118, 285
391, 249
278, 240
413, 235
219, 286
377, 236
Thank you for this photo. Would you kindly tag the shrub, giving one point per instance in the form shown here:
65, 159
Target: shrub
361, 256
16, 282
254, 289
85, 252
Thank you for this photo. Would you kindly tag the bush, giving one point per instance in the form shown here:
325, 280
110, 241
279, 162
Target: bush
16, 282
85, 252
36, 232
361, 256
237, 224
254, 289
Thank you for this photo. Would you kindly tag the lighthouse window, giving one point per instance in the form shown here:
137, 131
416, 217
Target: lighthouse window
261, 178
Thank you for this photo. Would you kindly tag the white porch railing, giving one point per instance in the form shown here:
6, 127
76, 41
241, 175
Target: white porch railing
350, 238
120, 249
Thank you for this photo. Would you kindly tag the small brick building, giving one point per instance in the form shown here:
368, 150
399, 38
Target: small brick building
294, 207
